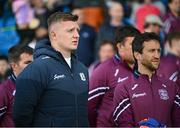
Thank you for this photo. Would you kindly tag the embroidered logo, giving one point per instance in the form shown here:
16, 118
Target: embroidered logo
82, 76
163, 94
59, 76
122, 79
116, 72
134, 87
138, 95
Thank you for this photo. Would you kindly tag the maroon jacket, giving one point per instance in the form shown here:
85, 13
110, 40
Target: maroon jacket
102, 83
171, 23
137, 98
7, 92
170, 68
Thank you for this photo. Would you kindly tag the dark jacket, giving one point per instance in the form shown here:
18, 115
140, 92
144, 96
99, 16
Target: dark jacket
7, 92
101, 91
50, 93
86, 46
137, 99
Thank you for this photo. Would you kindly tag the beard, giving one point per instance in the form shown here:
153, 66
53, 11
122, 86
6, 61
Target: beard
149, 65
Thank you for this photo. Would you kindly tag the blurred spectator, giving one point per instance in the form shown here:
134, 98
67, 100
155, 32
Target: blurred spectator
107, 30
23, 12
105, 52
40, 13
8, 33
19, 57
173, 44
26, 22
154, 24
4, 67
145, 9
93, 11
85, 50
170, 64
172, 18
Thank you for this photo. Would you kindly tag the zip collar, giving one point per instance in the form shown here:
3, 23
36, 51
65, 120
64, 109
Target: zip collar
12, 77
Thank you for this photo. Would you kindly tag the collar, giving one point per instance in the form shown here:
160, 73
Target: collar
12, 77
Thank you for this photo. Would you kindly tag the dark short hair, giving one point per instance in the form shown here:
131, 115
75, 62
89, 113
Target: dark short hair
123, 32
61, 16
169, 1
137, 44
15, 52
173, 36
3, 57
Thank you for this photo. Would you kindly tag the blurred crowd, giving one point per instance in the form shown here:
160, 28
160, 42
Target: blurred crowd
24, 22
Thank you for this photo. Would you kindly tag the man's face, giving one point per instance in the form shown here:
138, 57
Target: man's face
3, 67
106, 51
175, 5
126, 50
154, 28
66, 34
25, 59
150, 57
116, 11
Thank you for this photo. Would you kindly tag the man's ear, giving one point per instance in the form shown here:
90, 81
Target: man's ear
52, 35
13, 66
119, 46
137, 55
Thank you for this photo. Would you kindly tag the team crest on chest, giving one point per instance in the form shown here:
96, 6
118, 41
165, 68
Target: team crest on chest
82, 76
163, 94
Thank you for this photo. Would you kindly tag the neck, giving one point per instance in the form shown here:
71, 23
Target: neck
65, 53
145, 71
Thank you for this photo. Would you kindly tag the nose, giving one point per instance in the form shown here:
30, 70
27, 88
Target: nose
76, 34
157, 54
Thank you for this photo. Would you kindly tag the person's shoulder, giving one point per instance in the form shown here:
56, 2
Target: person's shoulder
105, 66
167, 83
5, 86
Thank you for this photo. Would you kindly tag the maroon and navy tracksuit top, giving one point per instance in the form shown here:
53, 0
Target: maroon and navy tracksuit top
138, 98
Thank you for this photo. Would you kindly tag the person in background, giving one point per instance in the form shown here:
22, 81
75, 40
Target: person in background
19, 57
145, 9
53, 90
85, 51
145, 99
115, 20
172, 18
153, 23
107, 75
172, 59
4, 67
106, 51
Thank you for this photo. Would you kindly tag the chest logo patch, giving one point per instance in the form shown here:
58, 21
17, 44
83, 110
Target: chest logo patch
163, 94
82, 76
